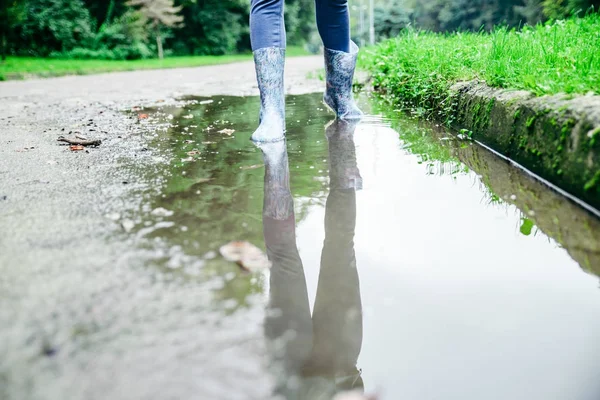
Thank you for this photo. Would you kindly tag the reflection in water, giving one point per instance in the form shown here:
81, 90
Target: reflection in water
318, 354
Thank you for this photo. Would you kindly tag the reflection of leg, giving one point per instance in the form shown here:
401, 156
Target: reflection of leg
337, 317
267, 34
289, 315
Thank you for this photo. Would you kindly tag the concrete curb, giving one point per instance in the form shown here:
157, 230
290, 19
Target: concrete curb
556, 137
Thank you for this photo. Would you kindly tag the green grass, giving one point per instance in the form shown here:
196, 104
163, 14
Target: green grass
417, 68
31, 67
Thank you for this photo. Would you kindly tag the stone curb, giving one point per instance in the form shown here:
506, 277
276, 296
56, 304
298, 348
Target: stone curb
556, 137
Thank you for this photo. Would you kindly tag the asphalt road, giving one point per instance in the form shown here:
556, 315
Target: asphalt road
79, 316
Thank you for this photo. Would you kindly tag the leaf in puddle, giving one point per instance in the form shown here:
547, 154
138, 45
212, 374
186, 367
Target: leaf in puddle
227, 131
76, 147
255, 166
246, 255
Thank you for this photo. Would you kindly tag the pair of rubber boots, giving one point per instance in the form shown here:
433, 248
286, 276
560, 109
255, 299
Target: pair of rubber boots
270, 61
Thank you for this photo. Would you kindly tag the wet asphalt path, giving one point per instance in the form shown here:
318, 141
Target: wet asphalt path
73, 293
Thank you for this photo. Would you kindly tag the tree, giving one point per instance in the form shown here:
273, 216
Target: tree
391, 19
12, 12
213, 27
159, 12
53, 26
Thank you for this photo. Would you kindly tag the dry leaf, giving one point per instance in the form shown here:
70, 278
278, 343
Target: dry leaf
246, 255
142, 116
76, 147
227, 131
193, 152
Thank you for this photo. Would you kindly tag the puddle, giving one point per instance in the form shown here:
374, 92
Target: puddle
421, 266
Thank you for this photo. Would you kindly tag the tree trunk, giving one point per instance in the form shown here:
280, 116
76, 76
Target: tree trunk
159, 42
109, 13
3, 46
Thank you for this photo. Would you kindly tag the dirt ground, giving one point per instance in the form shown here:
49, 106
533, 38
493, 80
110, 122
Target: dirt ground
72, 297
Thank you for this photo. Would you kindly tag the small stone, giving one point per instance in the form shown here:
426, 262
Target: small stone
113, 216
127, 225
161, 212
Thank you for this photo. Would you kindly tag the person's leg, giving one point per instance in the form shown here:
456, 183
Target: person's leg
340, 57
333, 22
267, 28
267, 34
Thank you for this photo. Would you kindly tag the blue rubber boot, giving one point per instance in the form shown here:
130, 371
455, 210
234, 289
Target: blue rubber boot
269, 63
339, 70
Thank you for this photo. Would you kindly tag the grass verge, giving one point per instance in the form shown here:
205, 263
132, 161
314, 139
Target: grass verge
31, 67
417, 68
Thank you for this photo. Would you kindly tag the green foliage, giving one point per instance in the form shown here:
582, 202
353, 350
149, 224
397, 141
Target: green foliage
560, 9
472, 15
53, 25
391, 19
212, 27
125, 38
417, 68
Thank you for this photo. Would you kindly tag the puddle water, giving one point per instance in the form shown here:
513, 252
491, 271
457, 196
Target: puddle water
405, 261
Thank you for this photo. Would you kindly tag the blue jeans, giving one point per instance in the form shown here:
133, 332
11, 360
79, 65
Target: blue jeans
267, 28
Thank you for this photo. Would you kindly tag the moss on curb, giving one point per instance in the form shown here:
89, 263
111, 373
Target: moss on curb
553, 136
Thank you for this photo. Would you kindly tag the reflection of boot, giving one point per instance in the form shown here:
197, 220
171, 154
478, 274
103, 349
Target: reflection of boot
339, 68
289, 322
337, 316
343, 171
269, 63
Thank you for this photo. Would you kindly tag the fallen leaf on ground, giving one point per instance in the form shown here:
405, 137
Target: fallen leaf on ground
255, 166
227, 131
193, 152
142, 116
76, 147
246, 255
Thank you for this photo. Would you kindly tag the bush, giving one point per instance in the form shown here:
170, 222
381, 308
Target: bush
54, 25
125, 38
